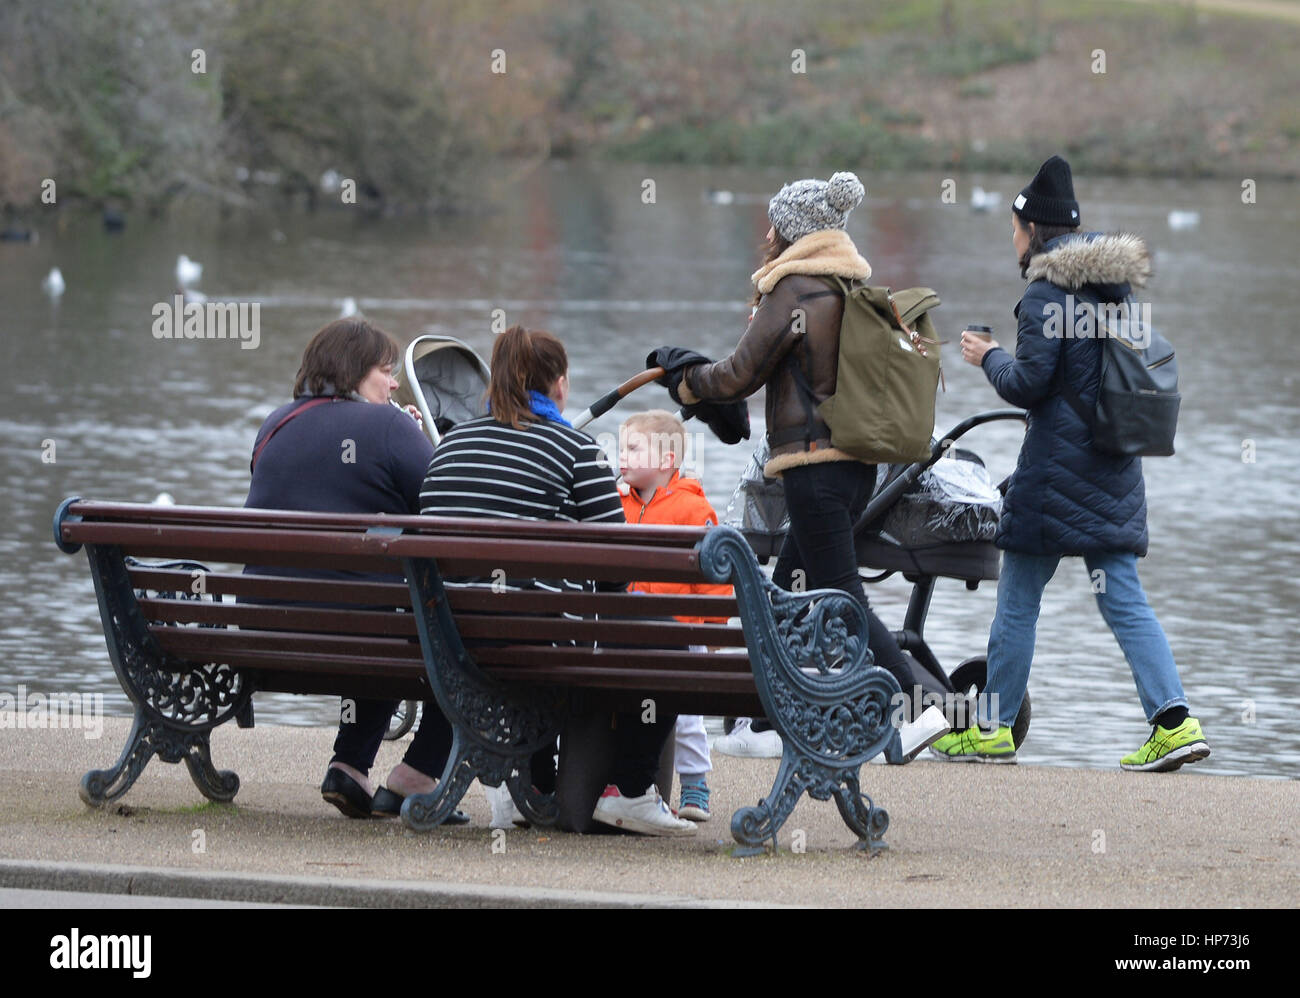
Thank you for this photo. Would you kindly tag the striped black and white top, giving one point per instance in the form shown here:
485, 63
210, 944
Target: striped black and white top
547, 471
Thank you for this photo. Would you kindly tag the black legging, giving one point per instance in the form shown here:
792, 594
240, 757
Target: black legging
824, 501
358, 739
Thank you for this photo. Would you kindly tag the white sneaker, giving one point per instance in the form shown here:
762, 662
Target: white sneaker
747, 743
504, 812
647, 814
927, 729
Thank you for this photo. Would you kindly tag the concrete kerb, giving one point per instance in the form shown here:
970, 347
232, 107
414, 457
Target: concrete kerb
323, 891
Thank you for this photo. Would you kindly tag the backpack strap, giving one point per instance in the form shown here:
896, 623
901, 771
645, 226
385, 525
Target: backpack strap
1067, 390
1068, 393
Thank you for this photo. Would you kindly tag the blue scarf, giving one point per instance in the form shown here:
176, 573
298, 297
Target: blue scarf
544, 406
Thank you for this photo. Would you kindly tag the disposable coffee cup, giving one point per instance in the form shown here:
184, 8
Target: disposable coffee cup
983, 332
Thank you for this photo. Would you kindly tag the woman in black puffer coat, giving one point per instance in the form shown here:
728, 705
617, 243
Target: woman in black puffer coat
1066, 497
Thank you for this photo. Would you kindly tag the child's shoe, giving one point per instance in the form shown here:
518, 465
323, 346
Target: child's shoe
695, 800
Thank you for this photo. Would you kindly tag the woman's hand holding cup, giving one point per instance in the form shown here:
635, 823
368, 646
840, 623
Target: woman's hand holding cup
976, 341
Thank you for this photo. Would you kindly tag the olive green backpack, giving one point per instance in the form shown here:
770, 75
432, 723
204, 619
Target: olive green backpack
883, 407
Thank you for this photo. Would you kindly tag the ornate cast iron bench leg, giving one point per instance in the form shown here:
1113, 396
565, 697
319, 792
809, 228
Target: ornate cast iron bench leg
176, 703
496, 727
150, 738
814, 674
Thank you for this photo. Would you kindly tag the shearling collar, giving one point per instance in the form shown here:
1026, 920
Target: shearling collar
825, 252
780, 463
1119, 258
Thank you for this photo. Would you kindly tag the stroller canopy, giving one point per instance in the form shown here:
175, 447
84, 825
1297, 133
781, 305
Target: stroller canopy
445, 378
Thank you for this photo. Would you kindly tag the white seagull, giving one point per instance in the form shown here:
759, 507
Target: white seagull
187, 270
53, 284
982, 200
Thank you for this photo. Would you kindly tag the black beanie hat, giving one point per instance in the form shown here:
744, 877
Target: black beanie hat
1049, 198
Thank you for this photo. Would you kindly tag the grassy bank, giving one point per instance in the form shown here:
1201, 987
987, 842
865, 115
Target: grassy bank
1156, 89
409, 98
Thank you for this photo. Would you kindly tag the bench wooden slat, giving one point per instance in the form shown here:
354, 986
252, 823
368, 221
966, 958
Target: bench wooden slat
363, 552
212, 645
553, 530
282, 587
376, 686
205, 644
632, 661
301, 590
280, 618
657, 634
631, 604
646, 680
363, 669
385, 622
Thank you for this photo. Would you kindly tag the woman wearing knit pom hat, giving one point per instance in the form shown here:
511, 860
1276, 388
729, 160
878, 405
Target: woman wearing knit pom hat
1066, 497
826, 489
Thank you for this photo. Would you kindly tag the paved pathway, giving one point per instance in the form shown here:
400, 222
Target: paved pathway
1015, 835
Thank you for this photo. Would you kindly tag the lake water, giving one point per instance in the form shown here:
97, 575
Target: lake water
577, 250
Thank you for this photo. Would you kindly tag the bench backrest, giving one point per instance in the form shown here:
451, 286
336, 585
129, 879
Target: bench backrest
299, 633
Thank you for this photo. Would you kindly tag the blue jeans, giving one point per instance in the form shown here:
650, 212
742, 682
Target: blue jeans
1124, 607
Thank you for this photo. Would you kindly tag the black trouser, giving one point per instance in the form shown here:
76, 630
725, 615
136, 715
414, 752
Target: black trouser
358, 740
637, 747
825, 501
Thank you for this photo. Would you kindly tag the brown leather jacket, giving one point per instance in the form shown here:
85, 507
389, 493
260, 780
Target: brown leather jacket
770, 353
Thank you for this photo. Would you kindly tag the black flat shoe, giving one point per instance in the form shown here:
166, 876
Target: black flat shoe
388, 804
346, 794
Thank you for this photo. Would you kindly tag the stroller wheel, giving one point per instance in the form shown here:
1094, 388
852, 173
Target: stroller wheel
969, 679
402, 721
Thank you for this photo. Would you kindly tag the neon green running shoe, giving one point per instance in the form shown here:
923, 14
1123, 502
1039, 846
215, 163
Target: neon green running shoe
1166, 750
976, 745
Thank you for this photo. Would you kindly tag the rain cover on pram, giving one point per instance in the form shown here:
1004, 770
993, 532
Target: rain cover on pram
953, 501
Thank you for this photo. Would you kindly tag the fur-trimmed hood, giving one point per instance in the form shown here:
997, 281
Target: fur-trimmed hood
1095, 258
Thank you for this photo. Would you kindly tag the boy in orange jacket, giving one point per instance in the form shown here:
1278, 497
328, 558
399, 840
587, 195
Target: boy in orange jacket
651, 447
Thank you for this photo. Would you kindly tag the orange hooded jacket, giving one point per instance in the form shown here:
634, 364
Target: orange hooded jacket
679, 503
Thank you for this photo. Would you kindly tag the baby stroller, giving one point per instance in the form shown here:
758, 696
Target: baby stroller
929, 520
447, 381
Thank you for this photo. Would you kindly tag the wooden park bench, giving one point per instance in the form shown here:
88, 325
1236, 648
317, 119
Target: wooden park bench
510, 667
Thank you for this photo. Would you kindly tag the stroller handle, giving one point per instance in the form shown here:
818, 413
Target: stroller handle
612, 397
891, 492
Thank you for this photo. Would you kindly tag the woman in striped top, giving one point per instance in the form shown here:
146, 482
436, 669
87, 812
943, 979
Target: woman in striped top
524, 461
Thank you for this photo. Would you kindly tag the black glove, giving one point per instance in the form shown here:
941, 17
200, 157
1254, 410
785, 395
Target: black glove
729, 421
674, 361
